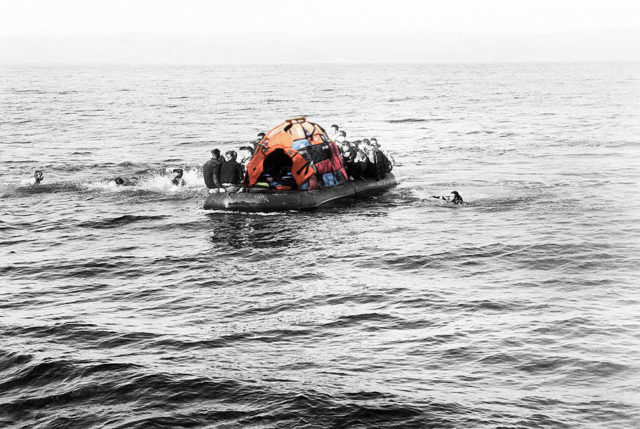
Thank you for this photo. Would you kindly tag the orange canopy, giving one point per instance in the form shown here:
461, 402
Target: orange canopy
282, 137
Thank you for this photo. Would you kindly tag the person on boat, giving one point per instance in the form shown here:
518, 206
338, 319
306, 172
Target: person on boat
388, 156
258, 139
177, 178
211, 171
38, 176
333, 132
370, 171
245, 154
359, 164
342, 135
348, 152
383, 164
231, 172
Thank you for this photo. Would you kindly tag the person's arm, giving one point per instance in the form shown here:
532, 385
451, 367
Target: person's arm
240, 172
216, 175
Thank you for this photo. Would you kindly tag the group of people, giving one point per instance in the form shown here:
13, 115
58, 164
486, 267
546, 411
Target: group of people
363, 159
177, 180
225, 173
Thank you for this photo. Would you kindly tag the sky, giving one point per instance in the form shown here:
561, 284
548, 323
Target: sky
244, 31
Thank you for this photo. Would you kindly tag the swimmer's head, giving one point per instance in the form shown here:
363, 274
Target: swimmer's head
178, 172
38, 175
457, 199
119, 181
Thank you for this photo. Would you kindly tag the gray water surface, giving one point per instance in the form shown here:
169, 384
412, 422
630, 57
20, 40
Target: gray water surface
133, 307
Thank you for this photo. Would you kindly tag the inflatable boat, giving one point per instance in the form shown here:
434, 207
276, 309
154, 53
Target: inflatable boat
296, 166
258, 200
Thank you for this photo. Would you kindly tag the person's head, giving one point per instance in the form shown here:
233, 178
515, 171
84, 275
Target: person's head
374, 140
455, 194
334, 129
119, 181
366, 142
245, 152
231, 155
215, 153
260, 136
38, 175
178, 172
342, 134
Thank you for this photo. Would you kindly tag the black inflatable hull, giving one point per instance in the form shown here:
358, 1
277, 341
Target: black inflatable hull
296, 200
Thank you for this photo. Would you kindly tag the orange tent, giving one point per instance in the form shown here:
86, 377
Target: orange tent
282, 138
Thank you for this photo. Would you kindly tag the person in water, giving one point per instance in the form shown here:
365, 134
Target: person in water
211, 171
38, 176
119, 181
231, 172
177, 179
457, 198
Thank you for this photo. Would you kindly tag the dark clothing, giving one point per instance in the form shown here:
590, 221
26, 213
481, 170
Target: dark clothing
358, 170
457, 199
388, 166
178, 181
231, 172
378, 167
211, 173
350, 155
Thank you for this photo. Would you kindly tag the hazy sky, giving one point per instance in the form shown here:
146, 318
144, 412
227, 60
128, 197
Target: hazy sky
346, 30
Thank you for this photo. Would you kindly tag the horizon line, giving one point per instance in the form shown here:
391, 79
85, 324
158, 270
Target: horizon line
337, 63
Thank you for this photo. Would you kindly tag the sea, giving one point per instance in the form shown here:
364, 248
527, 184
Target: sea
133, 307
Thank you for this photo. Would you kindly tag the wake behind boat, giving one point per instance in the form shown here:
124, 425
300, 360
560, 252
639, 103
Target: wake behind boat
296, 165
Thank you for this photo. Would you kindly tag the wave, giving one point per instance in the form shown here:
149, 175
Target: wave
153, 181
480, 132
118, 221
51, 388
408, 120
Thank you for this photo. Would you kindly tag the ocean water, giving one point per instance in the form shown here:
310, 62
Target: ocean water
133, 307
